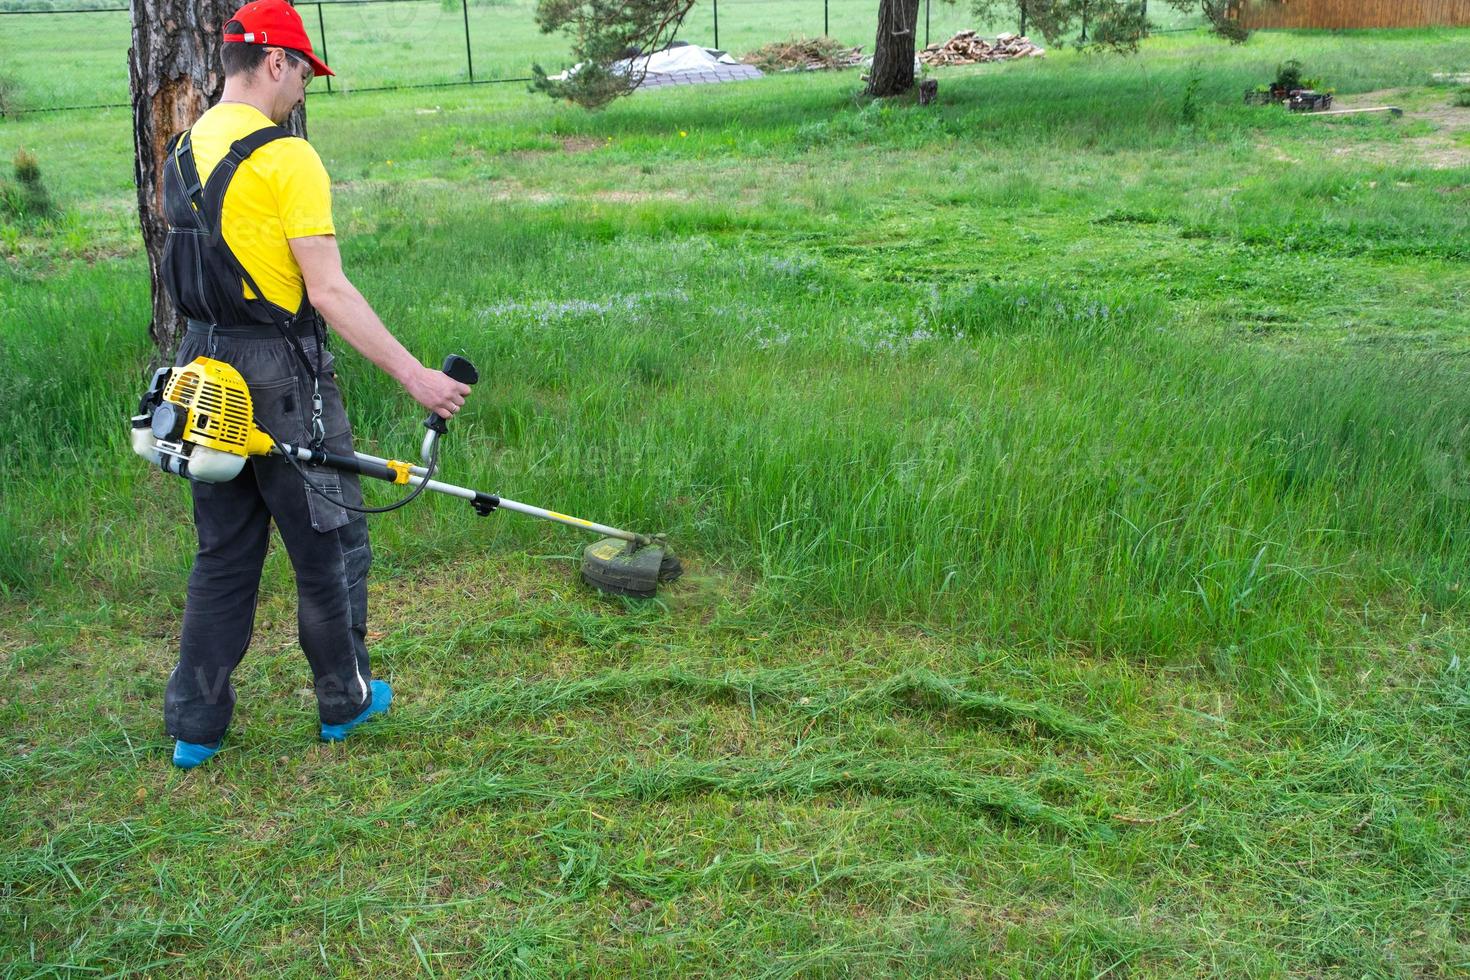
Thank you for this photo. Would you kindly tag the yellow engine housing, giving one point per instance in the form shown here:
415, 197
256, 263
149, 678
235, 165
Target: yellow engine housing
198, 421
221, 414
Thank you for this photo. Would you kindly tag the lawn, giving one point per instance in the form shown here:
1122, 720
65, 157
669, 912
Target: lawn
1073, 479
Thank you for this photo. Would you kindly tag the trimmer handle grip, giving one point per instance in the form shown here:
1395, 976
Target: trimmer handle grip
461, 370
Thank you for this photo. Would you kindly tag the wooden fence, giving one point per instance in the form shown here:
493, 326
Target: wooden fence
1353, 13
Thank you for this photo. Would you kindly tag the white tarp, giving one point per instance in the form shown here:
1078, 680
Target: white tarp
679, 58
680, 62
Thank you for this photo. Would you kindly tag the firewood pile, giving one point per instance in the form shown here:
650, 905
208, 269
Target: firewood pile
804, 54
968, 48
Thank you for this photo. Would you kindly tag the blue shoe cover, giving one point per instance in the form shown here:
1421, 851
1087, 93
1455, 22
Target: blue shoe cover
382, 697
187, 755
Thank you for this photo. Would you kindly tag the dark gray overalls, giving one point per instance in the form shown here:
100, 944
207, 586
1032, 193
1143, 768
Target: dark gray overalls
277, 352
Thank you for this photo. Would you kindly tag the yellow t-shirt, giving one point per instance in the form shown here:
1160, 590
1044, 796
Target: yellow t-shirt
282, 191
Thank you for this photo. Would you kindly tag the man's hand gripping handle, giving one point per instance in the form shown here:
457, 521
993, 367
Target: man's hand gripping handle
461, 370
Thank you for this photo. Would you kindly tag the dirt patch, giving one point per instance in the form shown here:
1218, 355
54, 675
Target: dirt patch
1444, 149
524, 196
569, 144
1431, 105
581, 144
527, 196
510, 190
634, 197
1277, 154
1436, 153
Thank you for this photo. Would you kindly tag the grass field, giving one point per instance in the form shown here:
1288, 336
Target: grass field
418, 42
1073, 480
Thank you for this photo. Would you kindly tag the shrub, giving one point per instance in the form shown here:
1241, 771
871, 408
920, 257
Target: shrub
1189, 108
1289, 75
1289, 78
1462, 98
27, 197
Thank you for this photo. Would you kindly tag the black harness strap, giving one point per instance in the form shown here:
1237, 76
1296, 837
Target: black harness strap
182, 153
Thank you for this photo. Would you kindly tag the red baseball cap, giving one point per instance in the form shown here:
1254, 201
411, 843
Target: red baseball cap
277, 24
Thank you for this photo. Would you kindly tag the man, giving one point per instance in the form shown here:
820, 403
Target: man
251, 257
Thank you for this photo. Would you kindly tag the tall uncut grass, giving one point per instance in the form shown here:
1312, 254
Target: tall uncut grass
1046, 464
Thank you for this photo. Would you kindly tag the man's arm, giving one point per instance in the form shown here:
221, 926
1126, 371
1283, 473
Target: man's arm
354, 320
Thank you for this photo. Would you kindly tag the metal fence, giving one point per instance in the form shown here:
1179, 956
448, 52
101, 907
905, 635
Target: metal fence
377, 45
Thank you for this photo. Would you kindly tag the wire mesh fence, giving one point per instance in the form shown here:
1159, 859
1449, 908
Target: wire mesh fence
67, 54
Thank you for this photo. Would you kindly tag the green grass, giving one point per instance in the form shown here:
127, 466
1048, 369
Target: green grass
418, 42
1073, 490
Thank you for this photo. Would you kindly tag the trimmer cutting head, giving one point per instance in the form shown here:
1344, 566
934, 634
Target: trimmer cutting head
620, 567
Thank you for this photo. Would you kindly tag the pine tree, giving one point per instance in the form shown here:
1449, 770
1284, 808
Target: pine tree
604, 32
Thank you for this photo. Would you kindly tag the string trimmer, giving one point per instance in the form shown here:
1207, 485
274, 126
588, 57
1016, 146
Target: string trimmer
198, 422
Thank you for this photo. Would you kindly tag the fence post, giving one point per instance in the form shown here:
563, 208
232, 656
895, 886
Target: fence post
321, 30
469, 58
1023, 17
826, 20
926, 23
717, 24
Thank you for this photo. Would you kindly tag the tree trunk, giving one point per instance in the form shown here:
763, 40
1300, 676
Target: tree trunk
893, 50
175, 73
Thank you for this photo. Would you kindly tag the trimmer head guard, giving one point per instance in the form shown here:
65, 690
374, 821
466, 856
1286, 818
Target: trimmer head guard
620, 567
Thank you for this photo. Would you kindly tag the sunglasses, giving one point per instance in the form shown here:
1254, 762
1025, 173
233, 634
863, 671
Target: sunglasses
309, 72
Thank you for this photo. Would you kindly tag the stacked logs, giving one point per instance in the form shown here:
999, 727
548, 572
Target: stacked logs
968, 48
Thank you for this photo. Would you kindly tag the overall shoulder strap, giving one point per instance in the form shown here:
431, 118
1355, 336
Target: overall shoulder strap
208, 200
213, 199
248, 144
208, 207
